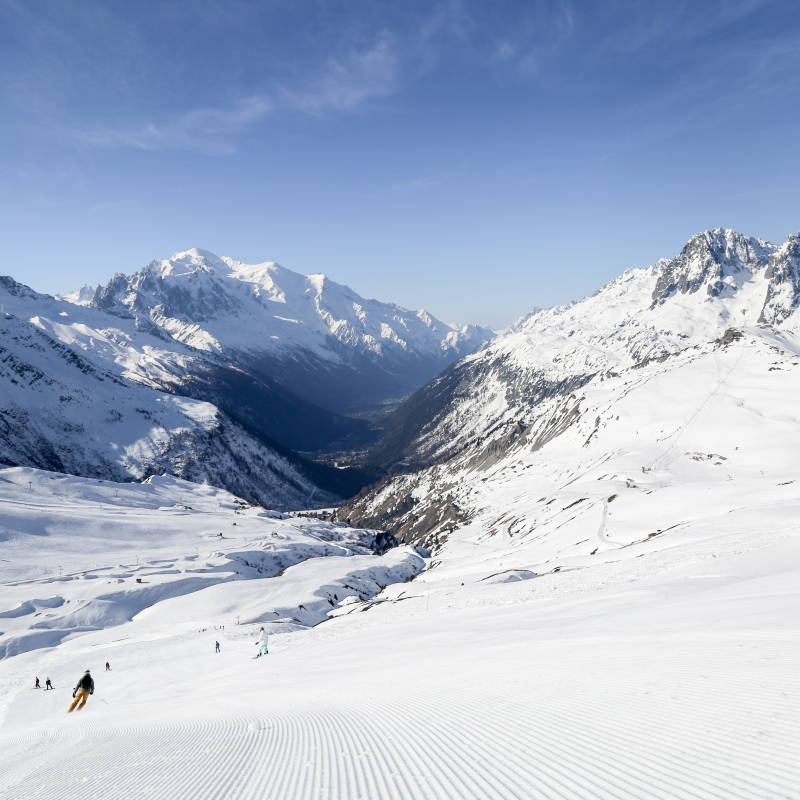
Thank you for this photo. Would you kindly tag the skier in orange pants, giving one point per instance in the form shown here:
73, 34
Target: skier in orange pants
81, 692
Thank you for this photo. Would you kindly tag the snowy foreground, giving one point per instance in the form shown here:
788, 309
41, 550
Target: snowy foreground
666, 669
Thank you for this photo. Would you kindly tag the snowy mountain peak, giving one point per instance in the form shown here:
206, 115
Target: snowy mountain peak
783, 289
80, 297
188, 262
720, 260
295, 326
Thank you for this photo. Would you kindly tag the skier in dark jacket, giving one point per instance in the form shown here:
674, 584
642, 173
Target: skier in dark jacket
82, 690
48, 685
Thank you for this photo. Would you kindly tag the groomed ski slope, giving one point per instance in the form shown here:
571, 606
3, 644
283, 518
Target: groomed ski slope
671, 675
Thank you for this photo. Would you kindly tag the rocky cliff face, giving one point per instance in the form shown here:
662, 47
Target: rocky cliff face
783, 284
718, 262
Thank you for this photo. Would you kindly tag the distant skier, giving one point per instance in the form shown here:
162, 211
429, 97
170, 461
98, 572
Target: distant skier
262, 642
81, 692
48, 685
108, 666
217, 650
37, 684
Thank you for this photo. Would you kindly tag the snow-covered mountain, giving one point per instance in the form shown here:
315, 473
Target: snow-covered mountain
232, 341
80, 297
317, 338
134, 348
533, 384
720, 280
89, 393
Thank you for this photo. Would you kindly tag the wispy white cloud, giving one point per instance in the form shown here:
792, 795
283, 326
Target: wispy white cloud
348, 81
345, 83
206, 129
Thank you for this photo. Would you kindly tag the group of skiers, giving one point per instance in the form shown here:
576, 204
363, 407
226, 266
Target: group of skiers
263, 637
82, 690
85, 685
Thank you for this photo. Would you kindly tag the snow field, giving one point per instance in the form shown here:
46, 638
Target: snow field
536, 674
674, 452
138, 546
681, 685
653, 655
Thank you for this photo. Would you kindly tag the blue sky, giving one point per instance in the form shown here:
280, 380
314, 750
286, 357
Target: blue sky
472, 158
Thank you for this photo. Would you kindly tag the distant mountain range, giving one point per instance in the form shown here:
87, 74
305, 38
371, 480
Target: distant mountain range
190, 367
314, 337
210, 369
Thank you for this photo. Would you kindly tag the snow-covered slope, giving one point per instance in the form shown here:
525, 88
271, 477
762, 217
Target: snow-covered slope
713, 425
720, 280
319, 339
536, 383
84, 555
662, 670
62, 412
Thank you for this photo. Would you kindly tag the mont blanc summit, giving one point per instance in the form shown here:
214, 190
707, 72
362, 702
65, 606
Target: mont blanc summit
317, 338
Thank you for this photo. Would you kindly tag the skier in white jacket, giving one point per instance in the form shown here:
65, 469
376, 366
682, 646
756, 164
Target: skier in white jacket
262, 642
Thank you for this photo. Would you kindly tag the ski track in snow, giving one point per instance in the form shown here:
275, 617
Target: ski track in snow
671, 453
490, 694
602, 729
